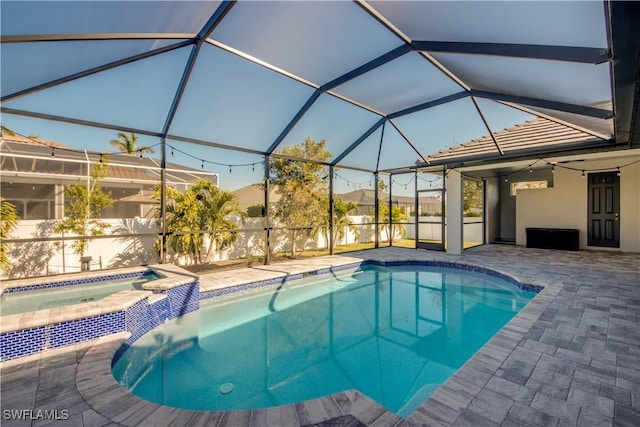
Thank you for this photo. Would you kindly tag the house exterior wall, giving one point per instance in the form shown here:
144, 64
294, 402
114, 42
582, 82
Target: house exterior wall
508, 202
565, 205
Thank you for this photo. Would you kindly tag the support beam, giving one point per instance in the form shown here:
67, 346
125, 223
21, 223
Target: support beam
624, 21
294, 121
208, 28
380, 146
409, 142
94, 70
371, 65
44, 116
416, 208
375, 63
267, 216
430, 104
588, 55
364, 136
486, 124
376, 210
455, 218
332, 234
163, 201
545, 103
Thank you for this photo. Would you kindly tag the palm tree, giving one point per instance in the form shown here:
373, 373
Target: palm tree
202, 207
341, 222
216, 208
8, 220
397, 215
127, 144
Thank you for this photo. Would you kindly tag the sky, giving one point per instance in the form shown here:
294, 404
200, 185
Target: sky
231, 101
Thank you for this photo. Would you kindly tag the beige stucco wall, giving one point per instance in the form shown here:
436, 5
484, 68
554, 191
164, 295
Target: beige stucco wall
565, 205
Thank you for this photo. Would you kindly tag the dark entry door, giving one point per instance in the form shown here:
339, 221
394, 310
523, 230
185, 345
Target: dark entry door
604, 210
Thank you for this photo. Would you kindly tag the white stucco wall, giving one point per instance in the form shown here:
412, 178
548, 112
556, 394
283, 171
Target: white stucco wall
565, 205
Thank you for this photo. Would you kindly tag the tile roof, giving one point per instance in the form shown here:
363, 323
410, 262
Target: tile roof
536, 133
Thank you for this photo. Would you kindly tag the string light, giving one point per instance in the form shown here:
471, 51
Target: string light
350, 183
202, 161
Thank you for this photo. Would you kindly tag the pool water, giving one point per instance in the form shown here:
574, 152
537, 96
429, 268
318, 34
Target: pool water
394, 333
21, 302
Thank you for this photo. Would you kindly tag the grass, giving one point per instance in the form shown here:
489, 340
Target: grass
352, 247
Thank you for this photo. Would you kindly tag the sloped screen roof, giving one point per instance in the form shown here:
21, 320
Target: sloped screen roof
387, 84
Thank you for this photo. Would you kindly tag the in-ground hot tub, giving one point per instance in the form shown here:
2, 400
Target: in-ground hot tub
22, 299
133, 300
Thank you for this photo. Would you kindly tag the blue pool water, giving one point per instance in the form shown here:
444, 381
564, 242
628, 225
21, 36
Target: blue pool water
33, 300
394, 333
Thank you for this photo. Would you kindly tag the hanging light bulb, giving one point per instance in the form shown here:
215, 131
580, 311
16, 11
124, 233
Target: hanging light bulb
229, 168
530, 169
253, 167
506, 179
140, 153
100, 157
53, 153
171, 151
582, 176
553, 169
202, 164
618, 173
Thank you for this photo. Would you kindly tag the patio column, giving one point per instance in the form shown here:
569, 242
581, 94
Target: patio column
454, 212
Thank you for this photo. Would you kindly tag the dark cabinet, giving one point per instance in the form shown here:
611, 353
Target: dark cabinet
553, 238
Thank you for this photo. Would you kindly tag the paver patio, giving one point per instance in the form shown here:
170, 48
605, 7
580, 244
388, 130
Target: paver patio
571, 357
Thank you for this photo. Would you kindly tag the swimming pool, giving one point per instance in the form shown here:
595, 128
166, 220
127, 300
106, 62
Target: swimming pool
34, 298
394, 333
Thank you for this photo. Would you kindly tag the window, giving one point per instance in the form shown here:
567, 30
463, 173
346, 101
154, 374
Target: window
526, 185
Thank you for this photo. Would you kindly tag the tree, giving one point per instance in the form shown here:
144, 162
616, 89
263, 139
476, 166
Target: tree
472, 197
302, 188
127, 144
8, 221
84, 202
341, 222
397, 215
202, 207
256, 210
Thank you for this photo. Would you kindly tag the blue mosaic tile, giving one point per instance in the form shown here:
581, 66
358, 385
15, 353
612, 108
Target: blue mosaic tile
135, 275
465, 267
138, 319
22, 343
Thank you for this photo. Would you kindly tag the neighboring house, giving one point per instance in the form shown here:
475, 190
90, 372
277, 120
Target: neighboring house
365, 199
35, 171
253, 194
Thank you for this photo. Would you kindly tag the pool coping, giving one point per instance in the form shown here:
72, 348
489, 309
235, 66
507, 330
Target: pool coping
462, 386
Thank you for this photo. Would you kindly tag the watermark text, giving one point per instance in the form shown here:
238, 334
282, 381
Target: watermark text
35, 414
